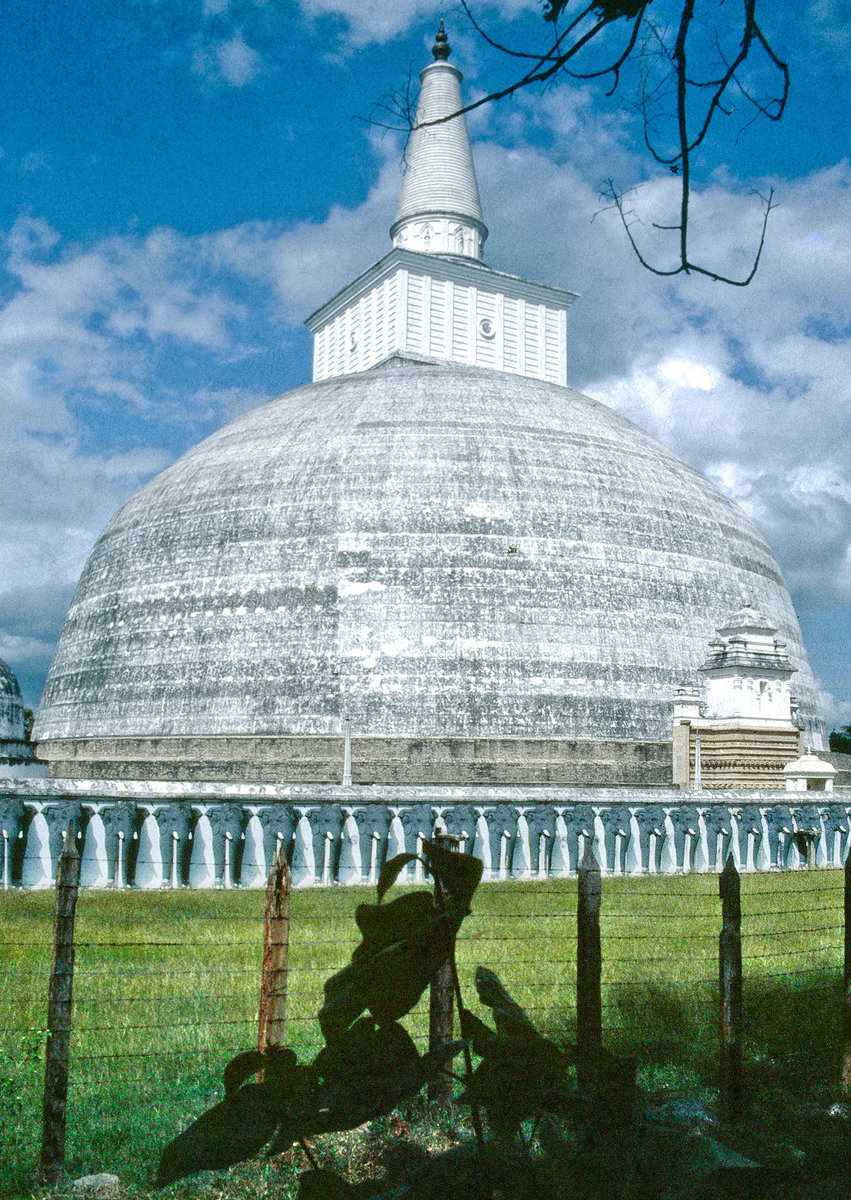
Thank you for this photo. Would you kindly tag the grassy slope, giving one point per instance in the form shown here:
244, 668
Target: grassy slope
166, 990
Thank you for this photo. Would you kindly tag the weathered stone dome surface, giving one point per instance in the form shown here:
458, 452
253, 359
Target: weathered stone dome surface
11, 706
425, 549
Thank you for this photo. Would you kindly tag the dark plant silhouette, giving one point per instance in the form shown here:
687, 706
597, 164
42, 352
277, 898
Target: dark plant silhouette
369, 1063
553, 1134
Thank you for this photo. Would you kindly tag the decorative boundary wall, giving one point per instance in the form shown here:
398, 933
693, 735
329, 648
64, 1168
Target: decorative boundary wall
169, 835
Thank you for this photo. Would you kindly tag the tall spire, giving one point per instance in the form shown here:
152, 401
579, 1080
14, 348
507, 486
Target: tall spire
431, 296
439, 211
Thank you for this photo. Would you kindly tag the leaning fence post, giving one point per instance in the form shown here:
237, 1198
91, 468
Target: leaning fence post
276, 946
59, 1001
589, 969
441, 1011
730, 980
846, 985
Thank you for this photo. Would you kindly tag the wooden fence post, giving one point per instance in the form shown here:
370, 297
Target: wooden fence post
276, 948
441, 1010
589, 970
59, 1002
846, 985
730, 980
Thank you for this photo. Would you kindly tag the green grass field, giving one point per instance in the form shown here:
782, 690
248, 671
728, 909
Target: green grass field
166, 991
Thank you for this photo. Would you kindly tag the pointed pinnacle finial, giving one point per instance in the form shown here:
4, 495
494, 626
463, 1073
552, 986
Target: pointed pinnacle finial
441, 48
439, 211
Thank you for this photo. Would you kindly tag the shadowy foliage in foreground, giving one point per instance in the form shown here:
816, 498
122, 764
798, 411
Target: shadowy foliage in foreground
553, 1131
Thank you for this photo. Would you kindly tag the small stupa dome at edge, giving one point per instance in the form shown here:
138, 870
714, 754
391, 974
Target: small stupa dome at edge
11, 706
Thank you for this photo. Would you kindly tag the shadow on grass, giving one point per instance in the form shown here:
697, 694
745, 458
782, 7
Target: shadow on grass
795, 1113
792, 1045
794, 1116
117, 1122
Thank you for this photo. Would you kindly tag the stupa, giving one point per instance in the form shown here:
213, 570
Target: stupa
15, 749
437, 545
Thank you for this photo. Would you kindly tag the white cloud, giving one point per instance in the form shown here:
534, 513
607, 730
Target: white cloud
827, 26
238, 62
682, 373
376, 22
83, 300
381, 20
94, 327
35, 160
837, 713
307, 263
54, 504
217, 406
231, 60
29, 236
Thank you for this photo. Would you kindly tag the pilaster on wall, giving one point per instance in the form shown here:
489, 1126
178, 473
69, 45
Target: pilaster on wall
681, 750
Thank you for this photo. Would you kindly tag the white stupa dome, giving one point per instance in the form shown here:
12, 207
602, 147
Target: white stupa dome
448, 545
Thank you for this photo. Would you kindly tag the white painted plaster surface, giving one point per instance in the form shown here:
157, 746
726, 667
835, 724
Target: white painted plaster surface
218, 600
439, 209
38, 865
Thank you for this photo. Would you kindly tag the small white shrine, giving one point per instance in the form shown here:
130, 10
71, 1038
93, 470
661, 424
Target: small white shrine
748, 672
809, 774
741, 729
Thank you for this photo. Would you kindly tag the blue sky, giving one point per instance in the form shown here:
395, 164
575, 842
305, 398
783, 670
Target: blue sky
183, 181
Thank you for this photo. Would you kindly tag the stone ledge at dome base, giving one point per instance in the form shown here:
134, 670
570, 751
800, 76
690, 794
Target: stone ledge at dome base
58, 791
374, 760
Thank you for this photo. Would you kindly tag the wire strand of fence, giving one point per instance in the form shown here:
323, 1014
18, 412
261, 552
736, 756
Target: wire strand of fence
183, 986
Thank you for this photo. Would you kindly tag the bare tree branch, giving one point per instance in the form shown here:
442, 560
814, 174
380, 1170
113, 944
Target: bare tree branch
399, 106
668, 92
610, 192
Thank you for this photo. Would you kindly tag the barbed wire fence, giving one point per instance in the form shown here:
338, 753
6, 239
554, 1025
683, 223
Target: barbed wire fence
167, 988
